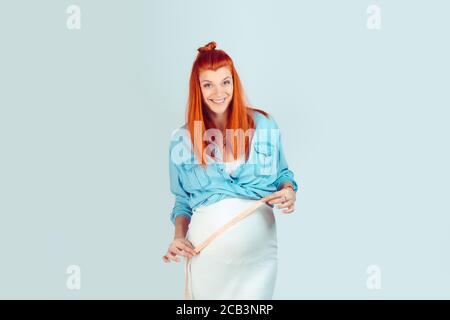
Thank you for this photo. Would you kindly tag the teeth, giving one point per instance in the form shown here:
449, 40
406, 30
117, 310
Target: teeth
218, 101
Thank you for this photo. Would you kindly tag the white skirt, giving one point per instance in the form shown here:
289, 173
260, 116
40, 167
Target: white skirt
242, 262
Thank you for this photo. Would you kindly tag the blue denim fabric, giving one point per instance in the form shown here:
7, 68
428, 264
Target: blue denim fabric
263, 173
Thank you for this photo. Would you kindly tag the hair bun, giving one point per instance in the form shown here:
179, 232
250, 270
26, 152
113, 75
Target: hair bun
210, 46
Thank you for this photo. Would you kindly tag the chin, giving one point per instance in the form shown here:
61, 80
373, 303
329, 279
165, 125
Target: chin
217, 109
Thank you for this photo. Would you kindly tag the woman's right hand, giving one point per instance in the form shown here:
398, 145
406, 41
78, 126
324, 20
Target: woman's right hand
179, 246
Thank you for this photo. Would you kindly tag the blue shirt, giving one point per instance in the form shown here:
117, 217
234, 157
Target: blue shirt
262, 174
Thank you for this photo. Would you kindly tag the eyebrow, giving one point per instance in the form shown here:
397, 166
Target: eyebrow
222, 79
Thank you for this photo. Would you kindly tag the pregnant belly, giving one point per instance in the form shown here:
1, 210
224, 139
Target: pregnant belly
248, 240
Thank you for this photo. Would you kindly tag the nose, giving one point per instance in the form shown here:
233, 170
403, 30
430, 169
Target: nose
217, 91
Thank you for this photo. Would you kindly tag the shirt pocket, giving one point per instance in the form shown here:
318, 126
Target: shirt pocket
194, 176
265, 159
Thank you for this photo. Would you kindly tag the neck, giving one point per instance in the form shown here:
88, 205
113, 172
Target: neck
219, 120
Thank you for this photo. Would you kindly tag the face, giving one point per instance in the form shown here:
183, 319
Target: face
217, 89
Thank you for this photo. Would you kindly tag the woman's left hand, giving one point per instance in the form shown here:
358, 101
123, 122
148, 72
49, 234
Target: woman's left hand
284, 198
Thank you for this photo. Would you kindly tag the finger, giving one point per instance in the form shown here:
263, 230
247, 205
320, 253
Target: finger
187, 242
183, 252
279, 200
289, 210
268, 197
280, 197
172, 256
176, 250
286, 204
186, 254
181, 243
185, 248
188, 245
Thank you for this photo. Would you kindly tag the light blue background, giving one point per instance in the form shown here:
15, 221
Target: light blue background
86, 118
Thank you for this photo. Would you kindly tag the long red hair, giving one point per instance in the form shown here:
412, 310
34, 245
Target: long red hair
240, 116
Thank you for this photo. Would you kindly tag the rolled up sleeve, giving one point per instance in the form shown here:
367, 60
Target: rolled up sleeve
181, 206
284, 174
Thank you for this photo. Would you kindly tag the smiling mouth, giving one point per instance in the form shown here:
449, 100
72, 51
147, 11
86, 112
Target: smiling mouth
218, 101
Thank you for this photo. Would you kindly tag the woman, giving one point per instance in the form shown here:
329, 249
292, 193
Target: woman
216, 173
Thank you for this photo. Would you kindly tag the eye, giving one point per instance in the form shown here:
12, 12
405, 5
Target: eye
206, 85
227, 82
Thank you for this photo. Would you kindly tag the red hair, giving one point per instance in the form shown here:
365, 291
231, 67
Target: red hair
240, 116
